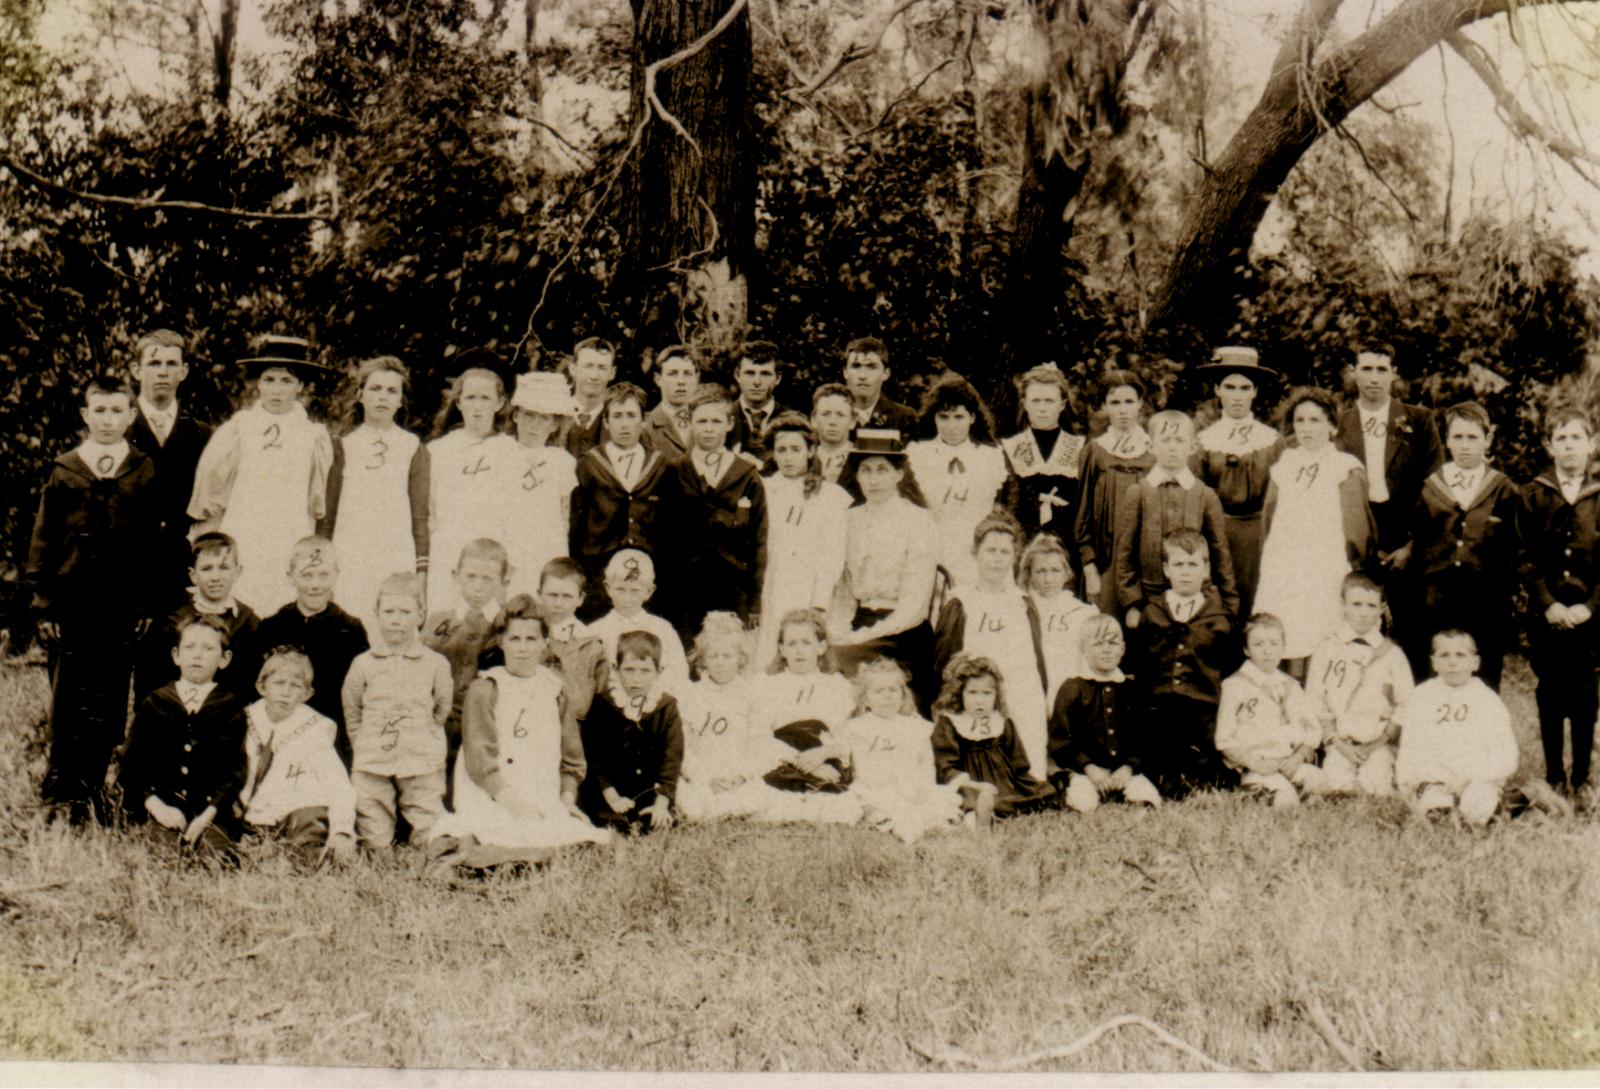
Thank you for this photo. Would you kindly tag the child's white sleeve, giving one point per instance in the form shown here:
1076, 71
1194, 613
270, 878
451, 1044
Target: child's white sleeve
215, 473
1498, 754
1229, 735
354, 691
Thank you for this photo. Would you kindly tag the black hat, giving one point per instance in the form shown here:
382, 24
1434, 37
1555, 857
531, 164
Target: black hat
1237, 359
291, 353
876, 442
486, 359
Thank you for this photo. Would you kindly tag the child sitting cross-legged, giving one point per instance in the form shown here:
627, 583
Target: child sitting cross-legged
975, 746
295, 784
1096, 744
891, 750
633, 738
185, 760
1456, 745
516, 785
1266, 728
396, 700
723, 759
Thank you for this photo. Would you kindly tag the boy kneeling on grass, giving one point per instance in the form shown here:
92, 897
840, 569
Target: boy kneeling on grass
295, 783
1456, 745
185, 761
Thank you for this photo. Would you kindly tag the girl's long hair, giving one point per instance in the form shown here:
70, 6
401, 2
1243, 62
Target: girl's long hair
810, 618
449, 417
954, 391
963, 668
794, 423
885, 667
349, 414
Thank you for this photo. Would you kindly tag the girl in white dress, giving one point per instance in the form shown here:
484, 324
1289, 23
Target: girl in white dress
722, 756
992, 618
377, 513
891, 753
1047, 577
805, 529
1317, 525
470, 465
516, 783
960, 468
263, 475
537, 504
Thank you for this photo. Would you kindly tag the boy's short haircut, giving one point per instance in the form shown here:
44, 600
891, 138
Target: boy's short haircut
563, 567
710, 393
156, 338
401, 584
313, 551
1169, 417
618, 392
759, 352
678, 351
1374, 346
106, 382
1357, 580
283, 658
1468, 412
598, 344
210, 543
868, 346
1451, 633
1558, 418
204, 620
631, 565
1096, 628
1184, 540
826, 390
999, 522
1266, 621
639, 644
485, 548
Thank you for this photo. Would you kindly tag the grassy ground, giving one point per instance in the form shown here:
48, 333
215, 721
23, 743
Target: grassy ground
1338, 936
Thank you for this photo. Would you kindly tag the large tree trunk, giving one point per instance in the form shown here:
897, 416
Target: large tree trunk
1073, 105
223, 43
1304, 96
688, 203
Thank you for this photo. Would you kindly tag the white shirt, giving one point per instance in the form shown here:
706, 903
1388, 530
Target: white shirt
1159, 476
159, 419
1375, 445
103, 461
627, 464
194, 695
1183, 608
865, 414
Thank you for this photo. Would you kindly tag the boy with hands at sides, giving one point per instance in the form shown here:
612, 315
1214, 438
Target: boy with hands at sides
1456, 746
1355, 680
633, 740
397, 697
185, 762
1096, 741
481, 576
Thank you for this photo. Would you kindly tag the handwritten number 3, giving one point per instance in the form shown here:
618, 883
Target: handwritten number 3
379, 455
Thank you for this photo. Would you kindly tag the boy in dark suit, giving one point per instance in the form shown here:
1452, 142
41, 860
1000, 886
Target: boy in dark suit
95, 541
185, 764
715, 501
173, 439
666, 427
757, 374
593, 366
1184, 646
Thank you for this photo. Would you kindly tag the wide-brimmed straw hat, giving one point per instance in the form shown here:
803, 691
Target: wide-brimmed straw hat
1237, 359
544, 391
290, 353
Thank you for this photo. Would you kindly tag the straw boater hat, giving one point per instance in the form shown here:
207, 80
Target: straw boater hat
1236, 359
544, 391
291, 353
877, 442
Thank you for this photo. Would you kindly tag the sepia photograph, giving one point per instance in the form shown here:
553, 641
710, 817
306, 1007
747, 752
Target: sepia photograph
1038, 539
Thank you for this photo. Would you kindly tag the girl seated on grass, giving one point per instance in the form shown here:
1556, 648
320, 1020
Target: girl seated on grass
891, 751
975, 746
722, 762
516, 782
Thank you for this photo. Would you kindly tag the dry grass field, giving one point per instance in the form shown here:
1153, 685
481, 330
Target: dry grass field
1342, 936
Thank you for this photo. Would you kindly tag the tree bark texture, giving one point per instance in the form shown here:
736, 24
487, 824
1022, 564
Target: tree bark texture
1305, 95
688, 202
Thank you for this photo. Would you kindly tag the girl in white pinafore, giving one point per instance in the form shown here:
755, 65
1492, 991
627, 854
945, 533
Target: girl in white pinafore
1317, 525
516, 783
960, 468
537, 506
722, 758
992, 618
1046, 576
262, 476
805, 529
469, 466
377, 503
891, 752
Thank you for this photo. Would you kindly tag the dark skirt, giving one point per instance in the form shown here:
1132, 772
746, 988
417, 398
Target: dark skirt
1245, 536
985, 762
912, 648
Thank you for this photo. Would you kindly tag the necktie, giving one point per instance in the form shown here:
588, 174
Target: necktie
191, 701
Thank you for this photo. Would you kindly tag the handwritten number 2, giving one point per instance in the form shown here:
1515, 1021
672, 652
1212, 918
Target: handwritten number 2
274, 437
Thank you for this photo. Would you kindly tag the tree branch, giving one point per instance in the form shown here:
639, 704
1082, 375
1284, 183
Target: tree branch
40, 181
858, 48
1529, 127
